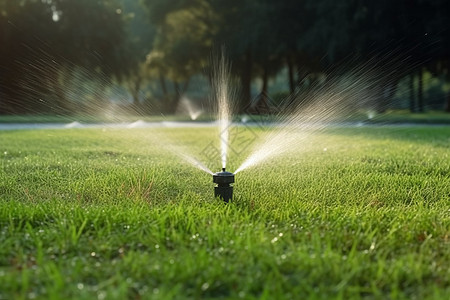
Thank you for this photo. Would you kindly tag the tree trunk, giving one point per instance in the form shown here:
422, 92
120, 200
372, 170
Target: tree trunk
246, 80
390, 90
167, 102
412, 100
163, 86
290, 65
176, 87
301, 75
265, 87
447, 108
135, 91
185, 86
172, 105
61, 104
379, 98
171, 100
420, 91
8, 94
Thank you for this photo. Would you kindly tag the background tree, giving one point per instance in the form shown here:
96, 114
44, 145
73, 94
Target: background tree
399, 38
46, 41
47, 46
182, 43
237, 25
21, 23
140, 36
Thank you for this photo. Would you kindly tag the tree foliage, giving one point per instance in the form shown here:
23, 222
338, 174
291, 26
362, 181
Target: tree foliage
43, 42
182, 43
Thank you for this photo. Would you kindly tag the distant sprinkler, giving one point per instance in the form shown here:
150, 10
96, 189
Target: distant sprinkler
223, 189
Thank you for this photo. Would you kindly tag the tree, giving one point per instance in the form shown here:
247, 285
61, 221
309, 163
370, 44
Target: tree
263, 37
398, 38
46, 41
140, 37
20, 24
182, 43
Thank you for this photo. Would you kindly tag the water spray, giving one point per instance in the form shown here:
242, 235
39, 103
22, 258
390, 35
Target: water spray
223, 189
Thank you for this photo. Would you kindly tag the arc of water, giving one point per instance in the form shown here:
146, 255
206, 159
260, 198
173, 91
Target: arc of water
220, 84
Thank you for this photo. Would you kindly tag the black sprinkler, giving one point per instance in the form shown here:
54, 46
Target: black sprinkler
223, 189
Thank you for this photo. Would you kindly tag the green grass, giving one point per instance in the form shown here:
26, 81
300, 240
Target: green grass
403, 116
92, 214
90, 119
389, 117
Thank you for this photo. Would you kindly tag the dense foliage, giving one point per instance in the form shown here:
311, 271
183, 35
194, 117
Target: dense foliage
47, 43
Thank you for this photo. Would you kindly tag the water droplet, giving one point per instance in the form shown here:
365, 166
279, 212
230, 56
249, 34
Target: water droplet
101, 295
205, 286
55, 18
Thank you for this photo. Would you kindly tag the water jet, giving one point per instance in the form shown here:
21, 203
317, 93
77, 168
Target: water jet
223, 189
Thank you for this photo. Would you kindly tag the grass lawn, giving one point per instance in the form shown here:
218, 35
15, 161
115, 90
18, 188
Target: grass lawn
111, 214
370, 117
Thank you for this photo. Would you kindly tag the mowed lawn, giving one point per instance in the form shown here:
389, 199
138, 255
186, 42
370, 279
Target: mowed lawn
113, 214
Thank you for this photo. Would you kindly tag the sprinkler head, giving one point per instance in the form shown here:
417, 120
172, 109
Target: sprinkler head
223, 189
